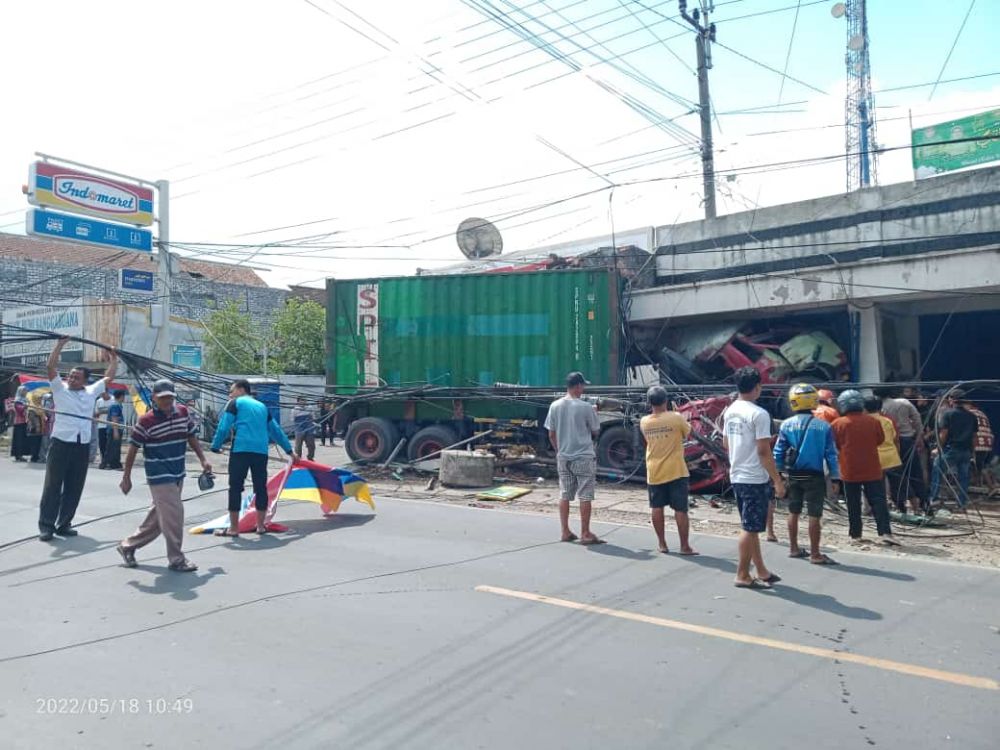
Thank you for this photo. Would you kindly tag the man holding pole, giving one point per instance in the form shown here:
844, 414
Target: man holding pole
69, 449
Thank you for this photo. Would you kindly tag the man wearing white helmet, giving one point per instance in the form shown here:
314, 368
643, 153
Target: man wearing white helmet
858, 437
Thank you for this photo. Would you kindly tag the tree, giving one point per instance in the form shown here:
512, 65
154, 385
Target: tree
232, 345
297, 340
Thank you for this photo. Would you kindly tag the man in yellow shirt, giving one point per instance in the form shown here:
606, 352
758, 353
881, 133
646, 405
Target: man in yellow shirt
666, 472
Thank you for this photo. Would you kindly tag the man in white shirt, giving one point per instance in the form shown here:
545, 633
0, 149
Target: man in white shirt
69, 448
747, 437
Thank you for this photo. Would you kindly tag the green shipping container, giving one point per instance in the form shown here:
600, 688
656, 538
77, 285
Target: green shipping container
527, 328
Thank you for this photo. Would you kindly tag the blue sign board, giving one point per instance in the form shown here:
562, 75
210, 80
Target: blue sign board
136, 281
79, 229
187, 356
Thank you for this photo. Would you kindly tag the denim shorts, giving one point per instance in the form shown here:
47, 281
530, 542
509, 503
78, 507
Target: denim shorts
752, 501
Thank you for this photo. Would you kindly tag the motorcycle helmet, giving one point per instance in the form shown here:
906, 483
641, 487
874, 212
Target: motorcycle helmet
803, 397
851, 400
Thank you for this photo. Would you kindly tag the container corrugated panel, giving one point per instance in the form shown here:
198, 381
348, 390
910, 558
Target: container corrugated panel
469, 330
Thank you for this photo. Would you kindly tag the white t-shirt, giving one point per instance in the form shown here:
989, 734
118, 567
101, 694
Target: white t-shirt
745, 424
74, 410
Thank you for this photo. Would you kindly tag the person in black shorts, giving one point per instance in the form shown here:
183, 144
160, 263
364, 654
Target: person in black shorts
666, 471
805, 448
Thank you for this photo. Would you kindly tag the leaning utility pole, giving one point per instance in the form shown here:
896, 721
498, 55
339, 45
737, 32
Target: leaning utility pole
703, 43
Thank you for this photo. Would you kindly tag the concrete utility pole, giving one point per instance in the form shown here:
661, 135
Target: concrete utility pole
705, 35
163, 352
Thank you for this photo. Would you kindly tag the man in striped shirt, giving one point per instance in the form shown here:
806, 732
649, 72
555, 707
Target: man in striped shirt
163, 433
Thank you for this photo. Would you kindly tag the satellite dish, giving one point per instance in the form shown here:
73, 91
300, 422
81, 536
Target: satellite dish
856, 42
478, 238
838, 10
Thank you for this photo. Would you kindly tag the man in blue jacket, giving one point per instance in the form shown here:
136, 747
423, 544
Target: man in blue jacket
254, 431
804, 445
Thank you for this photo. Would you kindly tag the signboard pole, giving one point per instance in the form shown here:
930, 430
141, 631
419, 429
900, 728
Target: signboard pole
163, 351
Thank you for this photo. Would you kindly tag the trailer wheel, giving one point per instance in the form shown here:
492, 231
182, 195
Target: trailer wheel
617, 449
371, 439
430, 440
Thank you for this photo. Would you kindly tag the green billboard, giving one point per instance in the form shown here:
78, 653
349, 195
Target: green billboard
956, 144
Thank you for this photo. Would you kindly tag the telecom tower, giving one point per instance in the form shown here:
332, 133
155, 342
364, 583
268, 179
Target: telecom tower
859, 113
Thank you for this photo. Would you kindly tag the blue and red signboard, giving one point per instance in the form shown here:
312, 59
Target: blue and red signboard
83, 193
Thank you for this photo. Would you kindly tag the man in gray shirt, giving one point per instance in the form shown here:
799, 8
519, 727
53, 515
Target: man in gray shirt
907, 481
572, 424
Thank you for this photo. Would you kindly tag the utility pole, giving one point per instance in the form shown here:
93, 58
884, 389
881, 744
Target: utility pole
163, 351
705, 35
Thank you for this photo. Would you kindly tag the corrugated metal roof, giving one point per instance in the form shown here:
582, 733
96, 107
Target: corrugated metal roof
70, 254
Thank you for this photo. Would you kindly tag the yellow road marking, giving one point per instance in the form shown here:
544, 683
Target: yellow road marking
955, 678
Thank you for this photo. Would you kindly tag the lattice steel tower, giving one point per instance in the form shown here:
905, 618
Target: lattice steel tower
859, 113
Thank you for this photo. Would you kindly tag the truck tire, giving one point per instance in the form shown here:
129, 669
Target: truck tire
371, 439
618, 450
430, 440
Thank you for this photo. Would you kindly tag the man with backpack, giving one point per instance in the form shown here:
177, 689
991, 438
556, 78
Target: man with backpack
806, 451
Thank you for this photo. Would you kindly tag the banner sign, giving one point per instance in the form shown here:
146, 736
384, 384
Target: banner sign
64, 320
966, 151
187, 356
130, 280
82, 193
77, 229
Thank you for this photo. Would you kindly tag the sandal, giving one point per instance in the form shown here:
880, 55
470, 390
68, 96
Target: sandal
226, 532
591, 541
756, 584
798, 555
773, 578
824, 560
185, 567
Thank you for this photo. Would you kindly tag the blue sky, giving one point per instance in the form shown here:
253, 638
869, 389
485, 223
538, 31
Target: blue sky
368, 131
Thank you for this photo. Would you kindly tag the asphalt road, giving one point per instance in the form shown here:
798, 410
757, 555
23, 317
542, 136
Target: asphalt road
426, 626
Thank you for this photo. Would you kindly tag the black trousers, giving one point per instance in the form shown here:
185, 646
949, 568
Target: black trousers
239, 465
875, 492
65, 475
102, 445
19, 441
113, 451
326, 428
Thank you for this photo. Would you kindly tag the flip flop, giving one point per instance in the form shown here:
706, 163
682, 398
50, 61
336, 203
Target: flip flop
756, 584
692, 553
824, 560
800, 554
888, 541
570, 538
664, 551
591, 542
261, 531
226, 532
772, 540
773, 578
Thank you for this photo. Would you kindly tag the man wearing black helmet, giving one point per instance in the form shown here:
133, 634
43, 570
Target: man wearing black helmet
163, 433
858, 437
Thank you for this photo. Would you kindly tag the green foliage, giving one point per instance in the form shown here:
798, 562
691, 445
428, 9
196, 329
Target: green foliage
232, 345
297, 340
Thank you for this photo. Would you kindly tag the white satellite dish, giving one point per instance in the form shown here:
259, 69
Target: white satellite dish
856, 42
478, 238
838, 10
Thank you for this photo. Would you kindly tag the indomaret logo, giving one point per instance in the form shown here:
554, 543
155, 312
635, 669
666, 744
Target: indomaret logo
95, 194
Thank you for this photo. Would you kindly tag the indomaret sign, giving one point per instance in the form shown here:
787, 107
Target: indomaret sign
367, 312
55, 186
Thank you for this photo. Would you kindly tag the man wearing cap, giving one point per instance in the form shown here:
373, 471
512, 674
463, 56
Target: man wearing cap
572, 424
69, 449
163, 433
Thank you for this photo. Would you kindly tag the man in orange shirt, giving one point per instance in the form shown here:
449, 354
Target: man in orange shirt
858, 437
666, 471
826, 411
